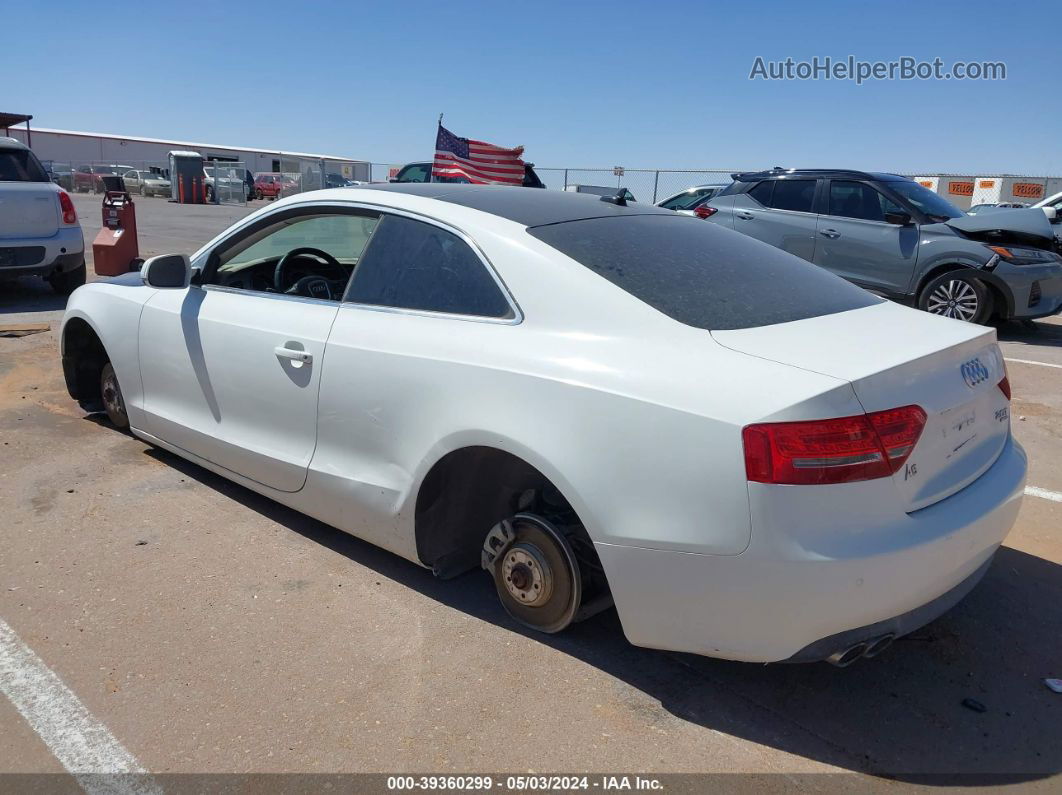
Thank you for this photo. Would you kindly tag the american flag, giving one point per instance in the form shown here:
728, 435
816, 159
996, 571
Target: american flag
478, 162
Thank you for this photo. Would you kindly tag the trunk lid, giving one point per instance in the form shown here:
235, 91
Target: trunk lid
894, 356
28, 209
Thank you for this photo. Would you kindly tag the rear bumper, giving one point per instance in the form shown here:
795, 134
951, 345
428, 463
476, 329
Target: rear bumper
839, 565
63, 251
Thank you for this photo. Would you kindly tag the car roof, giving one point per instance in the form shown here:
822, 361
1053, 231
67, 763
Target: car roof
527, 206
11, 143
775, 173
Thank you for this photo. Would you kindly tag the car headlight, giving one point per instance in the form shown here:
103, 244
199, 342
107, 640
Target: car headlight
1023, 256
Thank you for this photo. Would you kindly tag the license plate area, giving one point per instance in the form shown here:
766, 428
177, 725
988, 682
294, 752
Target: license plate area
956, 447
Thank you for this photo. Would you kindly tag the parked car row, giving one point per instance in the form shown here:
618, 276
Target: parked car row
894, 237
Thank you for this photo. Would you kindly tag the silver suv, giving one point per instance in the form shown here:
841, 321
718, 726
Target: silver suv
890, 235
39, 230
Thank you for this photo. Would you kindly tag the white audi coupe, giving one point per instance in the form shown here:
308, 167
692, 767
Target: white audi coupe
598, 402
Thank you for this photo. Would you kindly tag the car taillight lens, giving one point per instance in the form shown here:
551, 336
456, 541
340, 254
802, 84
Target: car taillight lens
1004, 385
66, 205
840, 450
705, 212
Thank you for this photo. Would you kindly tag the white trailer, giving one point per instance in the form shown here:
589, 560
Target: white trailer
955, 188
1024, 190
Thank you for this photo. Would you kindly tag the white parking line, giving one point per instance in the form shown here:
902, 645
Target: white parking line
81, 743
1035, 491
1030, 361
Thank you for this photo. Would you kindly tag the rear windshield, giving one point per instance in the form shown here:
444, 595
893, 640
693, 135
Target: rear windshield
701, 274
20, 165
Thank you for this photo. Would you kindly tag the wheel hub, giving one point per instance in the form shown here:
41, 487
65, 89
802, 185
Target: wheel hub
111, 397
527, 575
955, 299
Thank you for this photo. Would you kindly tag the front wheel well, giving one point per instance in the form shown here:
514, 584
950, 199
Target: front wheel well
1002, 302
470, 490
83, 360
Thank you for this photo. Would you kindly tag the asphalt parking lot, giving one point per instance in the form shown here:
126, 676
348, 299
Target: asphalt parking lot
211, 630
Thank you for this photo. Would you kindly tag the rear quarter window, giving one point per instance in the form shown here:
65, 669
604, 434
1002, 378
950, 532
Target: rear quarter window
702, 274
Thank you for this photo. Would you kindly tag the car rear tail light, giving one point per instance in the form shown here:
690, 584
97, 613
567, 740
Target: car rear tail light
1004, 384
704, 211
66, 205
840, 450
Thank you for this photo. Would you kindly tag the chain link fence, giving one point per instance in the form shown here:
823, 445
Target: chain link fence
227, 182
656, 185
146, 177
647, 185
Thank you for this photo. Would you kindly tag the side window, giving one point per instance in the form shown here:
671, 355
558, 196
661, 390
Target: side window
328, 247
849, 199
888, 205
762, 192
793, 194
414, 265
417, 172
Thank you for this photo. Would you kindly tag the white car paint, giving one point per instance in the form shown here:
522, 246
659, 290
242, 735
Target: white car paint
635, 418
34, 236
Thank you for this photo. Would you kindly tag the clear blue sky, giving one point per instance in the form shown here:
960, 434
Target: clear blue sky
580, 84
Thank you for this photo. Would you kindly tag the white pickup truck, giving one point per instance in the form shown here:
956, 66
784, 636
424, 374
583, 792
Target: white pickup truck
39, 231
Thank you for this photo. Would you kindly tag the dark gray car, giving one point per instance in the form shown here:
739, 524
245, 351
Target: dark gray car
894, 237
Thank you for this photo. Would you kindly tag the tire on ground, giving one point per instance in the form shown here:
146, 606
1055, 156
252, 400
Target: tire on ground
113, 401
958, 294
66, 283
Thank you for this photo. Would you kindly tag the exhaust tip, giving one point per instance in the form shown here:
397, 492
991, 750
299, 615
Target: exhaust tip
845, 657
878, 645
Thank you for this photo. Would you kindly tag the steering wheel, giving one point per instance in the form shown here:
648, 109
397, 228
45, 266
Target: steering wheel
279, 275
312, 286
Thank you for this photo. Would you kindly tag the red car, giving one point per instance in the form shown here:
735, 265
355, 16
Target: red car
271, 186
87, 179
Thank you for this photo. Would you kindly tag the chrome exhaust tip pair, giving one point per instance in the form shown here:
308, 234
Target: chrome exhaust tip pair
842, 658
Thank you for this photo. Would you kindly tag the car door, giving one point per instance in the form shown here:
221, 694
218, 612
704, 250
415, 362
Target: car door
422, 300
132, 181
855, 241
231, 370
780, 212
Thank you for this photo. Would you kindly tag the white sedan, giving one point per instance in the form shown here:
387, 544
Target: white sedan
598, 403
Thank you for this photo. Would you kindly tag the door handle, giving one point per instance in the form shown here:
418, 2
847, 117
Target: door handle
294, 355
832, 234
745, 216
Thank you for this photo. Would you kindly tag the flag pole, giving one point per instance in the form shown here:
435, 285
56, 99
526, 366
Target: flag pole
431, 174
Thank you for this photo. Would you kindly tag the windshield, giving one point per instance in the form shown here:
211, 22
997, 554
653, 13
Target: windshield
925, 200
20, 165
687, 199
702, 274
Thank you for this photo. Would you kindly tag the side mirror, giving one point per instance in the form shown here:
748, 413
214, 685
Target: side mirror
900, 219
1051, 213
167, 271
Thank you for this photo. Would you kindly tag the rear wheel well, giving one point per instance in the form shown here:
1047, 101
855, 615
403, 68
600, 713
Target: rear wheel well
83, 360
470, 490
